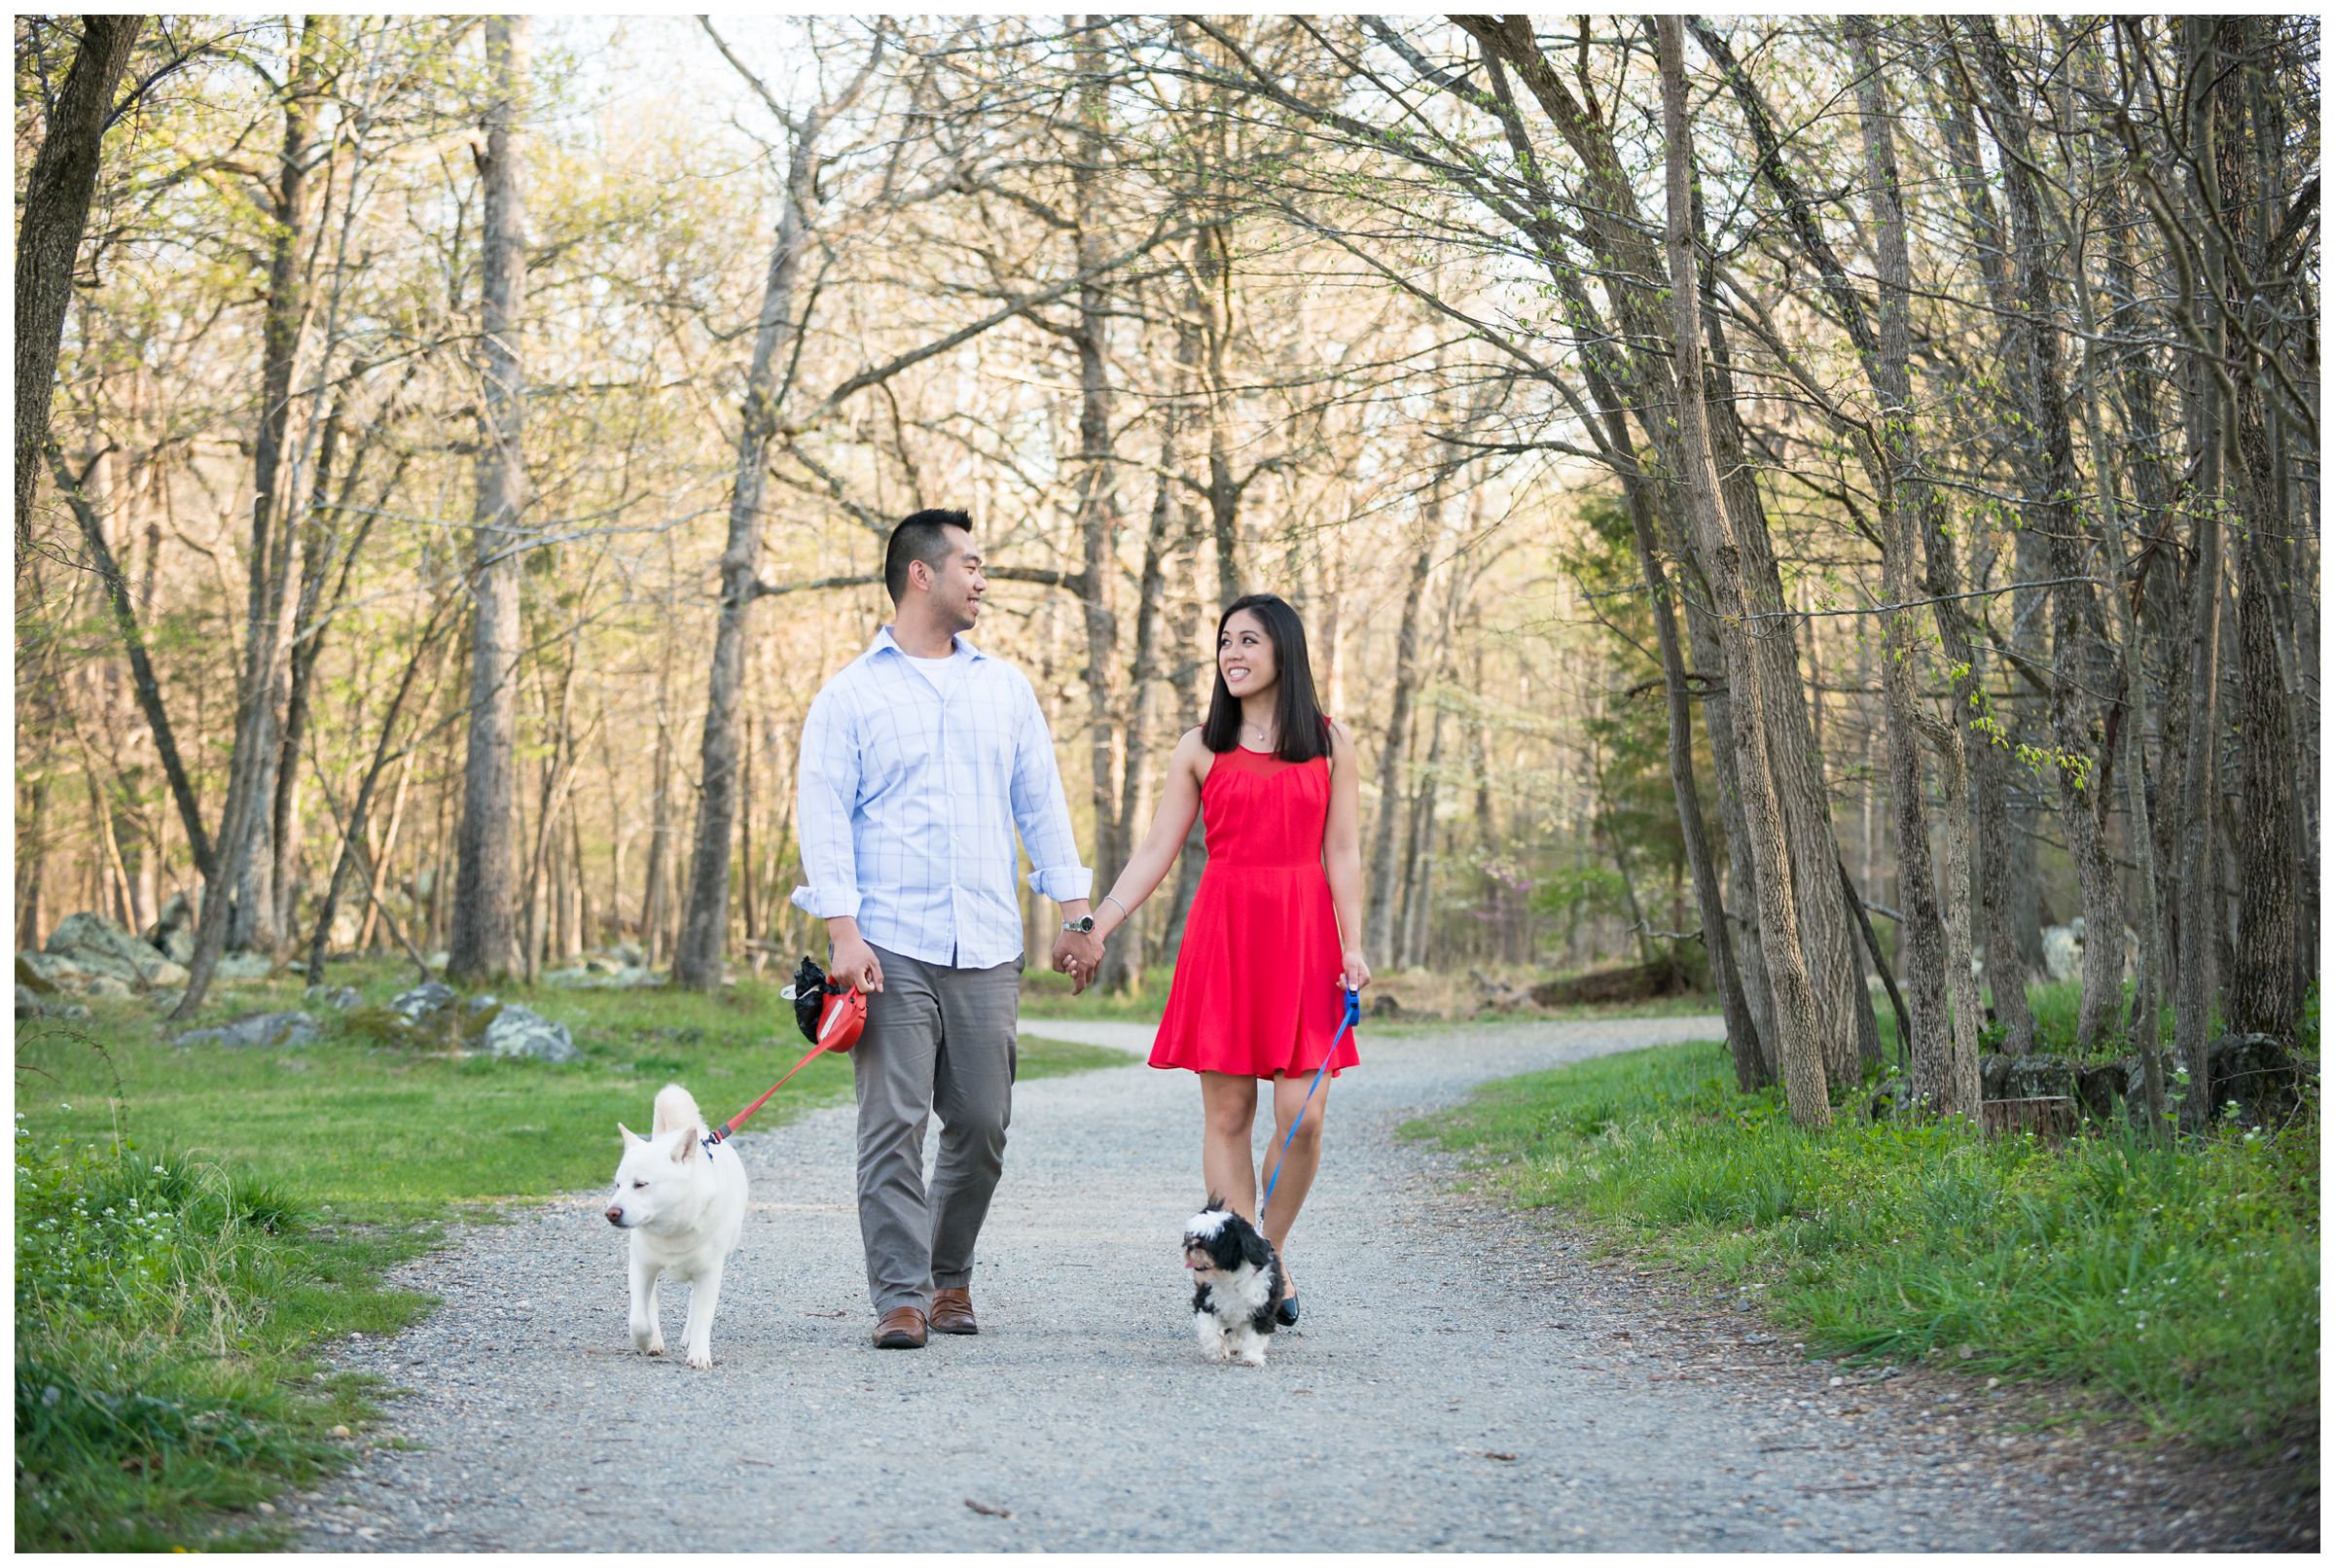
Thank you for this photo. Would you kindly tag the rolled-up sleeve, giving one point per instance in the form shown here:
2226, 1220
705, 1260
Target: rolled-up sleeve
826, 788
1042, 812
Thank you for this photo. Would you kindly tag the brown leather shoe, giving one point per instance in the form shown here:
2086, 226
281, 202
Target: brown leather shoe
901, 1328
953, 1312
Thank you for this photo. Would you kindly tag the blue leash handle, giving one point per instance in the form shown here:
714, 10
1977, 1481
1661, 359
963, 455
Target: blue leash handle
1354, 1016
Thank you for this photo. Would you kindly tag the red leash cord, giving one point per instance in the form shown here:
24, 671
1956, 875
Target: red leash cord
724, 1130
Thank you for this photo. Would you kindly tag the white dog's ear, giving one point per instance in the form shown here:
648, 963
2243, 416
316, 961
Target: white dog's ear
687, 1149
629, 1135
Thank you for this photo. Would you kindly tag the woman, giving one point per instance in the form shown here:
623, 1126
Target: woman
1274, 932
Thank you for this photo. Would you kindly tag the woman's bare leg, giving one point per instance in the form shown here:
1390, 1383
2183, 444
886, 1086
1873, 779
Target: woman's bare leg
1229, 1103
1297, 1167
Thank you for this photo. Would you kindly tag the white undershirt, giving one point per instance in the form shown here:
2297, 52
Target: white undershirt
936, 671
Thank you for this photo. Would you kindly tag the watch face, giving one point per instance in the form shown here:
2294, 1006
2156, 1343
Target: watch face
1083, 924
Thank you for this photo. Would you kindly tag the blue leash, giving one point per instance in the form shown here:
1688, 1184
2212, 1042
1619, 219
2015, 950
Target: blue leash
1354, 1016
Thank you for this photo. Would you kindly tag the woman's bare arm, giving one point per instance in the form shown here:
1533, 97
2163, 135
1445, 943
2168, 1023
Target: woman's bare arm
1179, 803
1342, 853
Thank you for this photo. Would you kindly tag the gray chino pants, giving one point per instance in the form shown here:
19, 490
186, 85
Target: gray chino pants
937, 1039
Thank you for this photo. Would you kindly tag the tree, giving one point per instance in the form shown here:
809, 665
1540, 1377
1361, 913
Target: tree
481, 945
56, 210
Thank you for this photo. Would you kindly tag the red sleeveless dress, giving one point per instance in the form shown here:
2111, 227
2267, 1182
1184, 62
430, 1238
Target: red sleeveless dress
1256, 979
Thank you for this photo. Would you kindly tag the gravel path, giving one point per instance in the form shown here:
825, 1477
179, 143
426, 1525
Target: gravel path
1464, 1377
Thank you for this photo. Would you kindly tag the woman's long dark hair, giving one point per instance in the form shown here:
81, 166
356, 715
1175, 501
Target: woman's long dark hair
1304, 734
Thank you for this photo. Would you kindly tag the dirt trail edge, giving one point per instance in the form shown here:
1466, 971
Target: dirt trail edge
1464, 1377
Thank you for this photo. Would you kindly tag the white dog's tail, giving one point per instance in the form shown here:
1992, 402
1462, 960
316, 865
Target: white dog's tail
676, 1109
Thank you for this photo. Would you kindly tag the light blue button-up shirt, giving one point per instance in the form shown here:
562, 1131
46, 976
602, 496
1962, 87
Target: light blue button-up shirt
908, 804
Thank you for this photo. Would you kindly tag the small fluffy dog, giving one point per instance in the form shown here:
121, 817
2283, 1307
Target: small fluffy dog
1235, 1279
685, 1205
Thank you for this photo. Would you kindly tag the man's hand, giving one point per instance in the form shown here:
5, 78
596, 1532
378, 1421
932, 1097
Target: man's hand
853, 960
1079, 955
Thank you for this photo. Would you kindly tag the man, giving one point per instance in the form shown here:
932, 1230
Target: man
919, 761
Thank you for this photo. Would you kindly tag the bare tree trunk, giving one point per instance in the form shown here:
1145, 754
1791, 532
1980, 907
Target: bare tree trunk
352, 841
481, 942
1097, 492
1801, 1048
268, 627
2078, 639
54, 211
2009, 895
1379, 919
1744, 1032
2265, 984
655, 897
1410, 949
1896, 466
697, 959
2209, 421
1121, 961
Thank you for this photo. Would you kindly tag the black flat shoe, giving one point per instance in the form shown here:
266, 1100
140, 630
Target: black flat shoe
1285, 1313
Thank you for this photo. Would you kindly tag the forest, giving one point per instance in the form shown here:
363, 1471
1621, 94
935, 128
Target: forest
1824, 510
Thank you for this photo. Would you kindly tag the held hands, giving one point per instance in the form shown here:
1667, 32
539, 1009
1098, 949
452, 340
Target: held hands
1356, 974
1077, 954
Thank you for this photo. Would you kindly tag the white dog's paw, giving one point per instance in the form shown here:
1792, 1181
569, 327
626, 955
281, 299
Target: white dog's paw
651, 1343
1252, 1358
702, 1360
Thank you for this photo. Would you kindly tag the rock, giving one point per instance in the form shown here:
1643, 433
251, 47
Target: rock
172, 933
482, 1002
167, 972
518, 1032
599, 975
339, 998
439, 959
423, 1001
165, 1002
1385, 1005
246, 966
32, 1004
284, 1031
2039, 1077
45, 972
2257, 1073
2064, 950
102, 947
106, 985
630, 955
2098, 1085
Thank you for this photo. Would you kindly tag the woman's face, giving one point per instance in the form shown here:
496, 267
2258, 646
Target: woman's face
1245, 656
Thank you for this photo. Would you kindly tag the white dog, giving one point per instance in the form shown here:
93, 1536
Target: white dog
684, 1202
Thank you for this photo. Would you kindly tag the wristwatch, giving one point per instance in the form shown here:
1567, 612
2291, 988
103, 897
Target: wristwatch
1084, 925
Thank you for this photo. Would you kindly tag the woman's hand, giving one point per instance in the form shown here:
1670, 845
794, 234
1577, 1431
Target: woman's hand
1356, 973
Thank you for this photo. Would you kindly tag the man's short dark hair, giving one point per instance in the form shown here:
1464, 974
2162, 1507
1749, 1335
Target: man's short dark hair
921, 536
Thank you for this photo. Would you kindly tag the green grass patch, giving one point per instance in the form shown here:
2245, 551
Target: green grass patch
2178, 1283
367, 1116
167, 1318
193, 1223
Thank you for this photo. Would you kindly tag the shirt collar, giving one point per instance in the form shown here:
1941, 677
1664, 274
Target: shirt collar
884, 639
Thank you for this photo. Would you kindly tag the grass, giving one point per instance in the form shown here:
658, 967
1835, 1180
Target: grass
194, 1222
366, 1117
1451, 998
2180, 1285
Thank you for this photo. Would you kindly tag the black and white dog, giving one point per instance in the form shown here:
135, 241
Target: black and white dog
1237, 1280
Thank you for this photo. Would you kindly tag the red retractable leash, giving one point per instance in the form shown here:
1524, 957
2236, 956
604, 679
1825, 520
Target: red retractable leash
830, 1012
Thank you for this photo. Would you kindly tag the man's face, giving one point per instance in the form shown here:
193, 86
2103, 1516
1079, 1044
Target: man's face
957, 586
